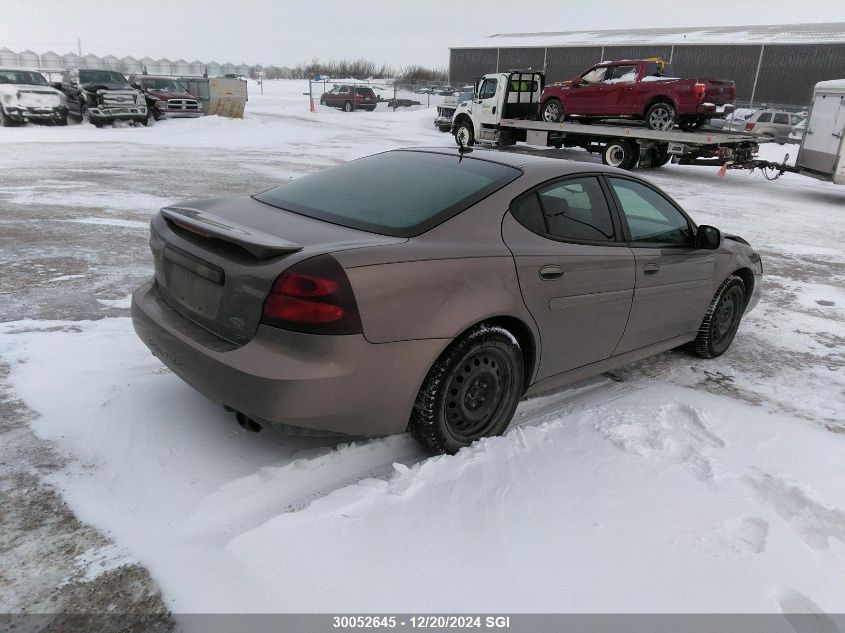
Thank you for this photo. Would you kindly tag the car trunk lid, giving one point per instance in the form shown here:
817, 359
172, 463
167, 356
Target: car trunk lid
216, 260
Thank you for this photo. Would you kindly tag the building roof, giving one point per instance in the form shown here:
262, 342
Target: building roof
812, 33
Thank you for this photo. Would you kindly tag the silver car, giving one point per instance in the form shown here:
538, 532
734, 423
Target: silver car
776, 124
428, 290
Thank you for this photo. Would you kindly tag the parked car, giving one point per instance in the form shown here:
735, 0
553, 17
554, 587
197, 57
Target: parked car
26, 96
446, 110
429, 289
102, 96
638, 89
776, 124
166, 97
349, 98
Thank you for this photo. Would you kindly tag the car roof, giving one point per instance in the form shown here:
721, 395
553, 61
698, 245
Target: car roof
518, 159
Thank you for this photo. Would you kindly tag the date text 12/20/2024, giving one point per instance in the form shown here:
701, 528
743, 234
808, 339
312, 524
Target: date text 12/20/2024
421, 622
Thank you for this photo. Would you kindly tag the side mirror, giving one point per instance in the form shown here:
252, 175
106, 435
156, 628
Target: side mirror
708, 237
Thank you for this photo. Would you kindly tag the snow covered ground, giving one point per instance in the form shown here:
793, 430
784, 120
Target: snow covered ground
671, 485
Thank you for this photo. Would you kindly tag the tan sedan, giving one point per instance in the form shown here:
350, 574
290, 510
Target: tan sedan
429, 290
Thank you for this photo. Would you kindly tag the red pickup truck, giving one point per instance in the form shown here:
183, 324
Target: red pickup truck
638, 89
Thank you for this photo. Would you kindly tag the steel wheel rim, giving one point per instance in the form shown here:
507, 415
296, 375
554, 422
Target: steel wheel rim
660, 119
551, 113
725, 315
615, 155
476, 393
463, 135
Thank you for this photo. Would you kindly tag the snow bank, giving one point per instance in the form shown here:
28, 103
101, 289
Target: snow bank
631, 497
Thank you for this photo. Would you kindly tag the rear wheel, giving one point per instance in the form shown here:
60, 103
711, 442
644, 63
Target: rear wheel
620, 153
347, 106
660, 116
721, 320
464, 134
62, 121
660, 155
552, 111
471, 391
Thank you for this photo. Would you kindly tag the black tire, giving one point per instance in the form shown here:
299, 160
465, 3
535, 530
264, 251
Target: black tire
347, 106
661, 116
721, 320
470, 392
464, 134
552, 111
62, 121
5, 121
322, 102
620, 153
660, 155
691, 125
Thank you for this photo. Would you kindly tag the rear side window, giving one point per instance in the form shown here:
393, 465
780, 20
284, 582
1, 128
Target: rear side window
398, 193
766, 117
781, 117
571, 210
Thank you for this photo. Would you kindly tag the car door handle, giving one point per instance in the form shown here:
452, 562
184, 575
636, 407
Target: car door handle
651, 269
551, 272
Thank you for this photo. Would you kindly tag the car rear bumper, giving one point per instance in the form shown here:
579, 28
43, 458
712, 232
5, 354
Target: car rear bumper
339, 384
715, 110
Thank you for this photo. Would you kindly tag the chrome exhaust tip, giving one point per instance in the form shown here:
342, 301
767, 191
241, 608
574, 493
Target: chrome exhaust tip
248, 423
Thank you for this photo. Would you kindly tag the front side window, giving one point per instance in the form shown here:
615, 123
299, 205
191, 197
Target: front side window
571, 210
488, 89
398, 193
795, 119
595, 75
621, 74
650, 216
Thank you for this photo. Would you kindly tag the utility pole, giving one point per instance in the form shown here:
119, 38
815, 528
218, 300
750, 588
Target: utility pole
79, 47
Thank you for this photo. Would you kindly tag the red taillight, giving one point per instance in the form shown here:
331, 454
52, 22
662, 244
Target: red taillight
699, 90
749, 127
313, 296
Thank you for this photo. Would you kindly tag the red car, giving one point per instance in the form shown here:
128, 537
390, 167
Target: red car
638, 89
350, 98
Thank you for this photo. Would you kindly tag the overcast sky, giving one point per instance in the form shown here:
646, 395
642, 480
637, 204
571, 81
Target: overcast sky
398, 32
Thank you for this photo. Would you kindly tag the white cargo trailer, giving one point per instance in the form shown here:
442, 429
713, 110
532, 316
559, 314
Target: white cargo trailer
822, 152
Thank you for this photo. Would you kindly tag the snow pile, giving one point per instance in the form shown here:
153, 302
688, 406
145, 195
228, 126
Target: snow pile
626, 497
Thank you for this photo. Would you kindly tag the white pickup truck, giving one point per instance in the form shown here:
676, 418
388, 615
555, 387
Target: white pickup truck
26, 96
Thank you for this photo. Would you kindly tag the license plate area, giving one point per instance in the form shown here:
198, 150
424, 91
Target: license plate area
192, 284
676, 148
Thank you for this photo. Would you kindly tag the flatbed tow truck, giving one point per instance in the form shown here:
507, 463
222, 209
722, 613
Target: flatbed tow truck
504, 111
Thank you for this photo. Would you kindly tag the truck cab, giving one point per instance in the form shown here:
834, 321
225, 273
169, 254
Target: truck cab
497, 96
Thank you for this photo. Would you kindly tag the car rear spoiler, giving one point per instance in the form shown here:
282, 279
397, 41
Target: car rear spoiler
259, 244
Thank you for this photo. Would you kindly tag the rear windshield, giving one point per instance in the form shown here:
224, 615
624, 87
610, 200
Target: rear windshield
367, 92
398, 193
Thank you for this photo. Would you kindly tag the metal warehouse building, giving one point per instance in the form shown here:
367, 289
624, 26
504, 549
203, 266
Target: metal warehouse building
770, 64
